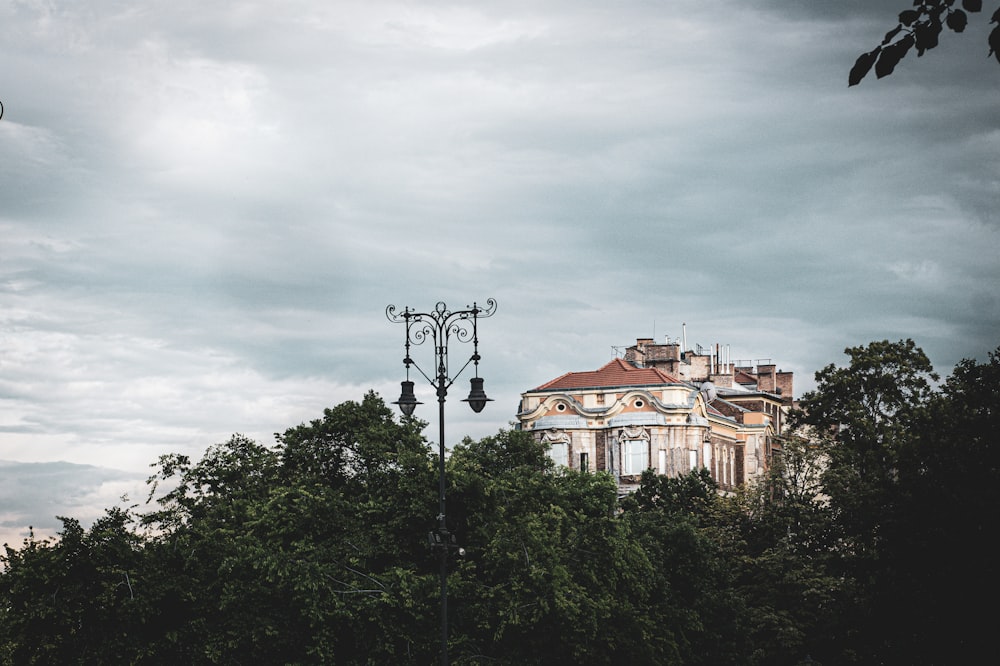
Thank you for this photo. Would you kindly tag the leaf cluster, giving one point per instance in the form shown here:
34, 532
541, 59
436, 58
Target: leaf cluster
920, 28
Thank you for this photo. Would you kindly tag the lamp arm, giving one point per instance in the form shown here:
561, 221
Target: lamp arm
451, 380
421, 371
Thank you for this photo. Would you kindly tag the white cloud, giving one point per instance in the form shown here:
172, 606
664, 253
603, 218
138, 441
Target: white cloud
205, 208
192, 122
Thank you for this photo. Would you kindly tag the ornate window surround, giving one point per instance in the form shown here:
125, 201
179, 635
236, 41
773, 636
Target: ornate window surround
630, 435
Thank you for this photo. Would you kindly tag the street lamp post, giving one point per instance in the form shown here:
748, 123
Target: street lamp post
441, 326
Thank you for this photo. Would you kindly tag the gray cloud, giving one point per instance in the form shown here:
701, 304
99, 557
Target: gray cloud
204, 210
32, 495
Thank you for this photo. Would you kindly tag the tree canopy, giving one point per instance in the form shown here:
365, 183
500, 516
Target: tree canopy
868, 542
919, 29
910, 473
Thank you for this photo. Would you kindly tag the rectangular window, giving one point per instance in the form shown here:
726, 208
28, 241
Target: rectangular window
560, 454
635, 454
693, 458
584, 462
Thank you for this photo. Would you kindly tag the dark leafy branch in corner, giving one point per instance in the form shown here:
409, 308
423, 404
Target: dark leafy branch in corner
920, 28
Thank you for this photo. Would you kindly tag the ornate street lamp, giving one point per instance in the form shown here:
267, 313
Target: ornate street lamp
441, 326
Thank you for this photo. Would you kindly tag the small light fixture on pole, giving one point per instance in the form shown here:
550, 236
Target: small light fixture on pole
441, 326
477, 396
407, 401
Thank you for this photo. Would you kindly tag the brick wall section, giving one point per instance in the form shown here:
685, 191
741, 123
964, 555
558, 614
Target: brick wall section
784, 382
647, 354
699, 367
663, 352
766, 378
667, 357
739, 475
725, 381
600, 452
727, 409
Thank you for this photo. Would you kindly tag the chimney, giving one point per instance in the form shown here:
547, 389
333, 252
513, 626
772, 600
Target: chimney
783, 380
766, 379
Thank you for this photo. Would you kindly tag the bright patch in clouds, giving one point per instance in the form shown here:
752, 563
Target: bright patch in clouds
204, 208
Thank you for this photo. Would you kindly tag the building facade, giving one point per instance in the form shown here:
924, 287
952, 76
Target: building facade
663, 409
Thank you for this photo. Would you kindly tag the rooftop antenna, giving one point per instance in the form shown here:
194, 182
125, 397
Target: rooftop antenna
684, 337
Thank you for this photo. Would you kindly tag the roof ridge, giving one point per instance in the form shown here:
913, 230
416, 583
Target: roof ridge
553, 381
615, 372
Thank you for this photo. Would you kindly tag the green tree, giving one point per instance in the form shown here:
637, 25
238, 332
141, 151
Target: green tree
911, 480
80, 599
314, 550
920, 28
779, 536
939, 565
550, 575
206, 554
308, 552
694, 602
862, 416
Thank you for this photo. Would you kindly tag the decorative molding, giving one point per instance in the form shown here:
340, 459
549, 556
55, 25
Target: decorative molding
633, 433
638, 419
556, 436
549, 422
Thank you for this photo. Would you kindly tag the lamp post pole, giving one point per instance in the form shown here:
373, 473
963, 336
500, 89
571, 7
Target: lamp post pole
441, 326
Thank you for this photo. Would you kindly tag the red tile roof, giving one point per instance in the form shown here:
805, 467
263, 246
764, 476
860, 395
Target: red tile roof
615, 373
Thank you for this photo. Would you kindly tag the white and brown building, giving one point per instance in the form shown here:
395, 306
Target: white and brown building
662, 409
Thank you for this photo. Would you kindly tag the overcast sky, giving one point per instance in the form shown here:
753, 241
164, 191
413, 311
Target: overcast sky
206, 207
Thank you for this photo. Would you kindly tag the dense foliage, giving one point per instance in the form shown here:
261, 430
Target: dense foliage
868, 543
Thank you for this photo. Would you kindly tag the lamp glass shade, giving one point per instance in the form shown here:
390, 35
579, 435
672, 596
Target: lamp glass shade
407, 400
477, 396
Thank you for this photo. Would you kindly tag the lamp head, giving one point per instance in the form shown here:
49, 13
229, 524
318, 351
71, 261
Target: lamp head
477, 396
407, 401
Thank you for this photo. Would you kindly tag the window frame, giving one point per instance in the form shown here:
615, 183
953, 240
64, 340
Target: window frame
563, 459
632, 449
